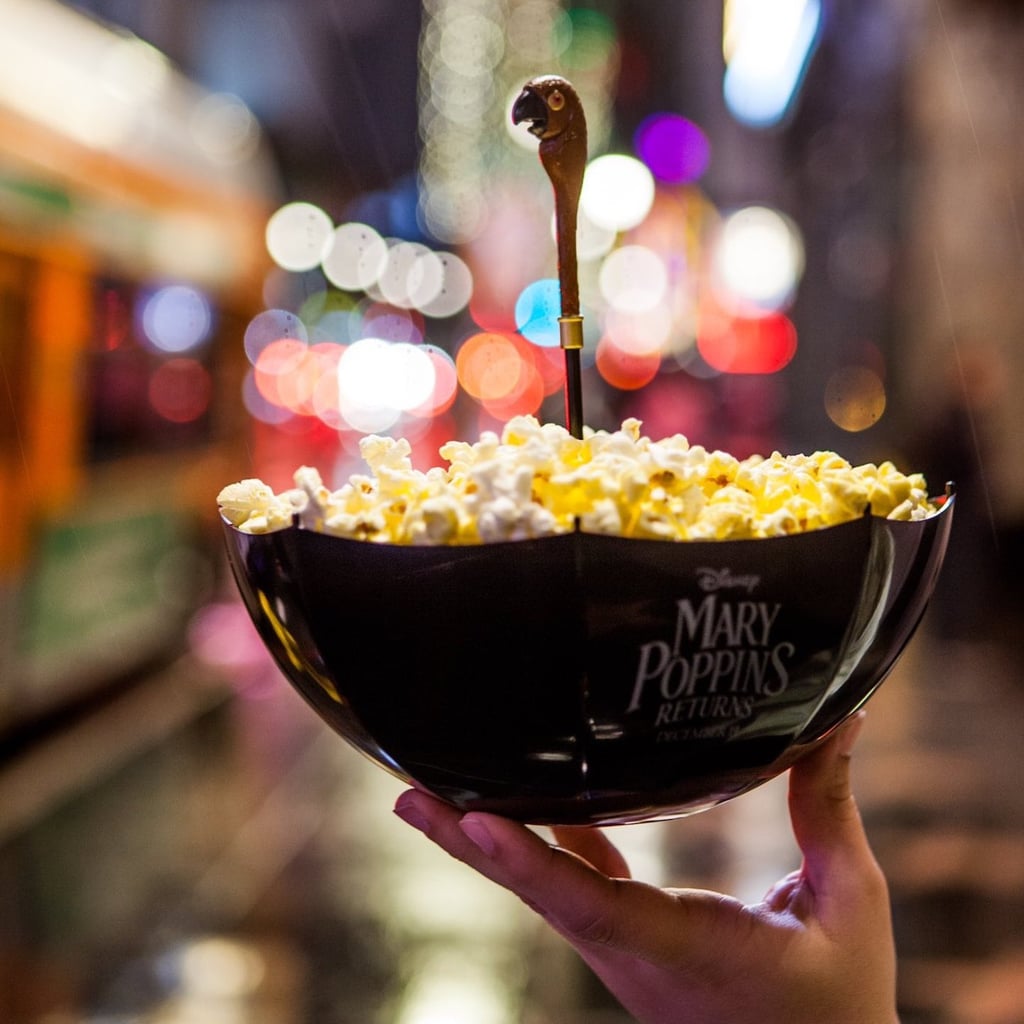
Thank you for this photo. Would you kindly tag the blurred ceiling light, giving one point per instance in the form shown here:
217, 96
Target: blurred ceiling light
456, 287
855, 398
489, 366
71, 84
269, 326
767, 46
74, 75
412, 277
356, 258
220, 967
180, 390
745, 344
537, 310
758, 259
446, 383
378, 380
225, 129
618, 192
175, 318
639, 334
299, 236
464, 993
633, 279
675, 149
627, 371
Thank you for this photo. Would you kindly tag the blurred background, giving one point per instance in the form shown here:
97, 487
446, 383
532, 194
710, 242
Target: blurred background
237, 235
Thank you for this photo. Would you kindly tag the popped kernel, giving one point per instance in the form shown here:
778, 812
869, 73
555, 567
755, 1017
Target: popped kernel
537, 480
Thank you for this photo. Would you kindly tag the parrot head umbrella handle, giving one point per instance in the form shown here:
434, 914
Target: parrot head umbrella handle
552, 109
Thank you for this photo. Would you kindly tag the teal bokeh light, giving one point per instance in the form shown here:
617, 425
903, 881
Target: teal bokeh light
537, 311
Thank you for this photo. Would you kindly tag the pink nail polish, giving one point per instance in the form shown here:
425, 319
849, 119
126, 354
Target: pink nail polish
411, 815
478, 833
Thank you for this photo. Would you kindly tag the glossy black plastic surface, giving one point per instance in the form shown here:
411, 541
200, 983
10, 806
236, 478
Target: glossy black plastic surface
584, 678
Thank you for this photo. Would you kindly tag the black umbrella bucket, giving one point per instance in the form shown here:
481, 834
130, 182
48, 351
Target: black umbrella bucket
590, 679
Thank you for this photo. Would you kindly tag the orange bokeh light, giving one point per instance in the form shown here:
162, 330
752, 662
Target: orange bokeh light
525, 400
275, 362
489, 366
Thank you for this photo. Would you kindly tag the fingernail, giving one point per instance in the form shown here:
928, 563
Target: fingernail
851, 730
478, 834
410, 814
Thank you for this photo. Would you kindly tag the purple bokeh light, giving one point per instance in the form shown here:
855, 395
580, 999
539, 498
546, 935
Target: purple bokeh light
674, 148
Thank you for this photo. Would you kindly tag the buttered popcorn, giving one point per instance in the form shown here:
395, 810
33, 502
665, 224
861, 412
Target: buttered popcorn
535, 480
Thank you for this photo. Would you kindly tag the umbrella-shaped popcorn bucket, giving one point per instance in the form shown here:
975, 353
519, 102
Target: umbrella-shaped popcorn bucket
584, 677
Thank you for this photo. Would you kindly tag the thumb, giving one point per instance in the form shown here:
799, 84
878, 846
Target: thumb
826, 821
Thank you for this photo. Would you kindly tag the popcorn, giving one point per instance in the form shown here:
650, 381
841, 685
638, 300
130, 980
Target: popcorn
253, 507
537, 480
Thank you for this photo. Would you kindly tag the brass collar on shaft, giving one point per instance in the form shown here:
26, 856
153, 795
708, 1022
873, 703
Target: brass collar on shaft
570, 331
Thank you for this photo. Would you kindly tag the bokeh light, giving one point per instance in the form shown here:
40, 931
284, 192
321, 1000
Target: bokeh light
633, 279
446, 384
258, 406
298, 385
624, 370
324, 401
299, 236
758, 259
537, 310
331, 315
676, 403
767, 46
618, 191
674, 148
855, 398
412, 276
225, 129
489, 366
456, 287
391, 323
180, 390
640, 334
176, 318
356, 257
378, 380
745, 344
269, 326
591, 39
275, 363
522, 400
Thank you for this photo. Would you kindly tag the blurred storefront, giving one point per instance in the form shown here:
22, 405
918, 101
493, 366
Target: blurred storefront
183, 267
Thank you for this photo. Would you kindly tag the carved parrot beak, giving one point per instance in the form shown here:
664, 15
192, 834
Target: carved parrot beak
530, 106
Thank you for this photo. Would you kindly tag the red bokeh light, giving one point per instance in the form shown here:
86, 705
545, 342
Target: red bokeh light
180, 390
745, 344
626, 371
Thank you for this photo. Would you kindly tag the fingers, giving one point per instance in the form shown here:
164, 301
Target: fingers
590, 909
826, 821
566, 890
821, 800
594, 847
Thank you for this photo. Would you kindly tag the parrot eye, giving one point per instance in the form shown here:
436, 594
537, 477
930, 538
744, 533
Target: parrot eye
556, 100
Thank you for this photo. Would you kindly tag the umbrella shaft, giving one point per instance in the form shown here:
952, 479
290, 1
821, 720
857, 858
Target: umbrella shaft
573, 393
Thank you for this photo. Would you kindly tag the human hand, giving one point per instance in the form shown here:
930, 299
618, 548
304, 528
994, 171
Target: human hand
818, 948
